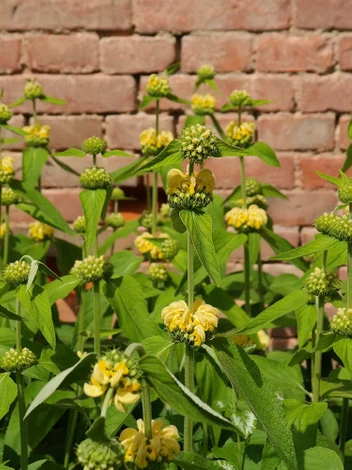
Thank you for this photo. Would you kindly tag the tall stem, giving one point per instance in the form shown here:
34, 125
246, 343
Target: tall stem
7, 235
107, 400
260, 278
343, 426
319, 300
71, 428
34, 112
147, 410
155, 176
94, 160
96, 310
247, 273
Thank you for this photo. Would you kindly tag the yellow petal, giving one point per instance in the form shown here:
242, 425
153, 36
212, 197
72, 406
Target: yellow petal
93, 391
206, 177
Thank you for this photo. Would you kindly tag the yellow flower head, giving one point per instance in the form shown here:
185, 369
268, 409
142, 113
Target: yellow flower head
203, 104
158, 86
153, 144
7, 172
205, 315
241, 136
161, 447
147, 247
246, 220
39, 232
264, 339
177, 315
38, 135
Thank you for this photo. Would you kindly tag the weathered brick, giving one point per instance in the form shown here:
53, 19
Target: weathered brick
254, 15
123, 131
227, 52
325, 163
319, 94
83, 94
77, 53
136, 54
10, 53
325, 14
26, 15
302, 207
344, 141
290, 132
275, 269
345, 52
308, 234
294, 53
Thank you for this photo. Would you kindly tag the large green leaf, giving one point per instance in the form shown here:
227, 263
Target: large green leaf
199, 227
170, 154
317, 458
125, 263
9, 315
306, 319
130, 227
8, 392
247, 380
343, 348
271, 191
65, 167
60, 289
127, 171
34, 159
290, 303
126, 297
116, 153
348, 162
73, 152
176, 395
320, 243
189, 461
92, 203
264, 152
228, 150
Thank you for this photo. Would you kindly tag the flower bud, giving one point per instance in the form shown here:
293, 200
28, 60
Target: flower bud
190, 192
146, 219
158, 272
33, 90
16, 273
206, 72
345, 193
198, 143
240, 98
246, 220
165, 210
93, 268
341, 228
94, 455
95, 178
325, 222
158, 86
117, 194
115, 220
203, 104
14, 360
169, 248
94, 146
341, 323
241, 136
153, 144
5, 113
7, 172
8, 196
258, 200
79, 225
321, 283
39, 232
38, 135
253, 187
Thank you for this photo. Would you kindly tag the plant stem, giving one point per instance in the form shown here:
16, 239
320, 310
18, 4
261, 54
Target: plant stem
7, 235
94, 160
343, 426
96, 310
39, 184
0, 202
319, 300
247, 274
205, 439
72, 423
147, 410
155, 177
147, 177
260, 278
18, 327
239, 452
35, 112
239, 115
107, 400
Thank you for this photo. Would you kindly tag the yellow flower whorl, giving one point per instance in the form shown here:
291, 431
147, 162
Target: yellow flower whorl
203, 104
246, 220
153, 144
39, 232
158, 86
38, 135
241, 136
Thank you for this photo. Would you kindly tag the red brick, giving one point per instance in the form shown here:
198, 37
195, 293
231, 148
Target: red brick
326, 93
344, 141
123, 131
294, 54
137, 54
290, 132
275, 87
275, 269
77, 53
17, 121
325, 14
302, 208
283, 344
307, 235
227, 52
84, 94
325, 163
25, 15
10, 54
345, 53
166, 15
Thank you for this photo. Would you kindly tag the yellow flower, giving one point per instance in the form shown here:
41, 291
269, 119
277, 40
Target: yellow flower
152, 144
161, 447
126, 393
241, 135
264, 339
6, 169
198, 335
203, 104
158, 86
205, 315
242, 340
145, 246
246, 219
38, 135
2, 230
38, 231
99, 381
177, 315
256, 217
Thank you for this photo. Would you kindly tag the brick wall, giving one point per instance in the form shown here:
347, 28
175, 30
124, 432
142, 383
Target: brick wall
97, 55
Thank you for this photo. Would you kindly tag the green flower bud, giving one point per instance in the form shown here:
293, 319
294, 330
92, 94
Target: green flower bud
79, 225
240, 98
321, 283
5, 114
169, 248
342, 228
241, 136
38, 135
7, 172
165, 210
158, 86
93, 268
258, 200
21, 360
100, 455
16, 273
203, 104
115, 220
253, 187
95, 178
198, 143
94, 146
206, 72
345, 193
115, 356
158, 272
33, 90
146, 220
325, 222
8, 196
190, 201
341, 323
117, 194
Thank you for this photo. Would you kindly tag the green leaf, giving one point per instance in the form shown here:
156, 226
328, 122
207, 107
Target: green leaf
97, 431
32, 273
60, 289
212, 84
177, 99
37, 303
320, 243
125, 263
9, 141
264, 152
66, 377
332, 179
92, 203
259, 102
115, 419
306, 319
271, 191
9, 315
190, 461
348, 162
172, 68
130, 227
176, 395
49, 272
170, 154
126, 297
8, 392
247, 380
291, 302
116, 153
194, 120
349, 129
127, 171
34, 159
317, 458
146, 101
228, 150
15, 130
73, 152
343, 348
18, 102
52, 100
199, 227
65, 167
177, 223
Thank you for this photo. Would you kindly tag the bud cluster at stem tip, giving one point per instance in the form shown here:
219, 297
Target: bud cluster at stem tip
92, 268
206, 72
190, 191
168, 250
158, 272
335, 226
100, 455
246, 220
341, 322
203, 104
5, 113
153, 144
8, 196
115, 220
321, 283
38, 135
94, 146
16, 273
240, 98
79, 225
39, 232
95, 178
7, 172
19, 360
240, 135
198, 143
158, 86
33, 90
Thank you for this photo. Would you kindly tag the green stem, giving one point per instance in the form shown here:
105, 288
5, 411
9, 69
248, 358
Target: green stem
205, 439
107, 400
343, 426
18, 327
349, 267
94, 160
96, 310
155, 177
260, 278
0, 202
34, 112
218, 127
39, 184
243, 183
23, 422
239, 452
147, 410
318, 354
72, 424
247, 273
7, 235
149, 205
239, 115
